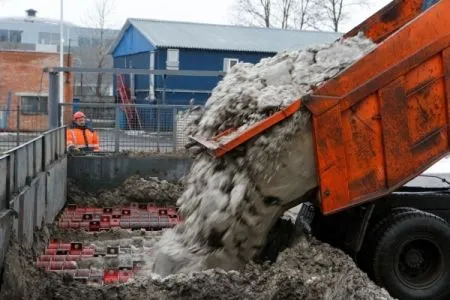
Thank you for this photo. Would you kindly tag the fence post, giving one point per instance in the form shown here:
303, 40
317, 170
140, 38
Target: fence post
53, 100
18, 126
8, 182
117, 129
174, 129
158, 120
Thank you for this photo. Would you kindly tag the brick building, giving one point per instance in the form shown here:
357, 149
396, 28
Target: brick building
21, 73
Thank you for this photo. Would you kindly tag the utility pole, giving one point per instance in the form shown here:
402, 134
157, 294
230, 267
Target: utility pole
61, 60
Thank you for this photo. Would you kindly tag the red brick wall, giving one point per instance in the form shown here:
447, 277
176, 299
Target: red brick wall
22, 72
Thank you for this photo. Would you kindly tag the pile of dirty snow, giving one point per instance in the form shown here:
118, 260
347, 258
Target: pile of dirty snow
229, 204
133, 189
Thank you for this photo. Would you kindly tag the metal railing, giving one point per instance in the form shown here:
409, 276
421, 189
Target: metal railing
135, 127
19, 168
21, 124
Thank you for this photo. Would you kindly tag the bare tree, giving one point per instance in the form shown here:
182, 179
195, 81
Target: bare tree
254, 12
98, 20
286, 10
303, 14
331, 14
296, 14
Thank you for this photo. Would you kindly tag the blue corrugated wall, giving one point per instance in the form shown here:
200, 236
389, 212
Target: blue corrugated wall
134, 51
201, 60
132, 42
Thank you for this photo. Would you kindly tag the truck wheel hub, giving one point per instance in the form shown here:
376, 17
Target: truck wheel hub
419, 263
414, 258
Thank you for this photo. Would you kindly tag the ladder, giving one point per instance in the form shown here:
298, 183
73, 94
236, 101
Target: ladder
131, 112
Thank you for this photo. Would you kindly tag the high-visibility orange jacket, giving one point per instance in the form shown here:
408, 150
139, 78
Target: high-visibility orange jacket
83, 138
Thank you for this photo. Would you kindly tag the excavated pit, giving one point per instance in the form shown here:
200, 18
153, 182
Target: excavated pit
308, 269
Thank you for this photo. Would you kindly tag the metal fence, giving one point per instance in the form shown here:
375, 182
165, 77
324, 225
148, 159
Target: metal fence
31, 186
135, 127
21, 124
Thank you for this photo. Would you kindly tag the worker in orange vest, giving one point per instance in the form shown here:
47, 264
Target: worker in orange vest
80, 136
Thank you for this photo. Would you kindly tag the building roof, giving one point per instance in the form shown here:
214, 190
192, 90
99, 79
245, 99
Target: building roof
173, 34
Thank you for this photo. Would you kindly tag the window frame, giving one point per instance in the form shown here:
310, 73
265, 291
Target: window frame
227, 63
38, 109
173, 64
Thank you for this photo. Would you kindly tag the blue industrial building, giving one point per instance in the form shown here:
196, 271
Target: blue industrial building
169, 45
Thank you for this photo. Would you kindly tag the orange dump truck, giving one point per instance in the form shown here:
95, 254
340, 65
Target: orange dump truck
378, 125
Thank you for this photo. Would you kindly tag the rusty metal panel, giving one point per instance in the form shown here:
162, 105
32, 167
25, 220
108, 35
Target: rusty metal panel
389, 19
446, 63
431, 27
331, 159
364, 147
394, 107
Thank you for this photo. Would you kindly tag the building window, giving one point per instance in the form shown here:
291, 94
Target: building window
12, 36
228, 63
49, 38
15, 36
33, 105
3, 35
173, 59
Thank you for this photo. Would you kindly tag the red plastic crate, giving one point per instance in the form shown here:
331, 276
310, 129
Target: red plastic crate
125, 275
46, 257
50, 251
43, 264
115, 223
110, 276
69, 265
94, 225
59, 258
56, 265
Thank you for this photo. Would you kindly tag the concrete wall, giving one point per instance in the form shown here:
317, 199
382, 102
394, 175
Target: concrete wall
96, 172
32, 187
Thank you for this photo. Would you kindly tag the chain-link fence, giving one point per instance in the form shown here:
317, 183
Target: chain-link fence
135, 127
21, 124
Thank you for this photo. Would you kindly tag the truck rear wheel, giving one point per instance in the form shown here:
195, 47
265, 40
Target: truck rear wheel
368, 248
412, 256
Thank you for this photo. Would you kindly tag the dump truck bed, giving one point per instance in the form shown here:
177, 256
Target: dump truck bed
385, 119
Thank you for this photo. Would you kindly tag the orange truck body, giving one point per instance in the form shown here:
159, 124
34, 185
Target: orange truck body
385, 119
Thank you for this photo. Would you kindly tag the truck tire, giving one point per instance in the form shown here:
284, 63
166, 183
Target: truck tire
367, 252
412, 256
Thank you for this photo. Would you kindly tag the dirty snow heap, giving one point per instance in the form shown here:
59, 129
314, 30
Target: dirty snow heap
229, 204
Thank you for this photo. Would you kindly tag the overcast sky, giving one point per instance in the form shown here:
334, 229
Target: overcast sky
204, 11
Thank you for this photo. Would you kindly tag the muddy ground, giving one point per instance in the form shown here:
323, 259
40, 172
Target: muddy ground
134, 189
306, 269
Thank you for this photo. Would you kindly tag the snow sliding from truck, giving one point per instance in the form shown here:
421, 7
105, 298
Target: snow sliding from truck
230, 204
